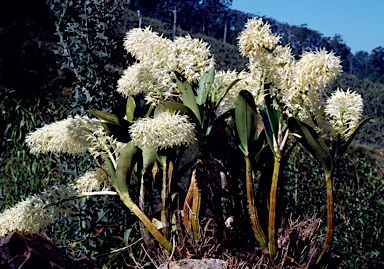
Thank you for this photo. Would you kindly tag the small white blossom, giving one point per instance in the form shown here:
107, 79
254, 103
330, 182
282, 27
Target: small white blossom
304, 96
149, 48
256, 38
344, 110
224, 78
163, 131
318, 68
193, 57
93, 180
135, 80
270, 64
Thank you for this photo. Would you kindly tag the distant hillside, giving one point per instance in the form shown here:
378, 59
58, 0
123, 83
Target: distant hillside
216, 19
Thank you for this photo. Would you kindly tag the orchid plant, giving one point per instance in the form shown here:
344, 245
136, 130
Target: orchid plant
297, 104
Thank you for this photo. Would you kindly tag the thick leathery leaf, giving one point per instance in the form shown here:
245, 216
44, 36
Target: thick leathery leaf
106, 117
123, 168
149, 156
174, 106
272, 114
216, 99
188, 97
130, 109
246, 119
313, 142
345, 143
205, 85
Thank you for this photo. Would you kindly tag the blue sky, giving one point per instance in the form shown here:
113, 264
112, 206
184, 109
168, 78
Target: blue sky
359, 22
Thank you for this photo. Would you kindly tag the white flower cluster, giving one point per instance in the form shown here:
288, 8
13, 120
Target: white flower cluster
193, 57
223, 79
270, 63
73, 136
344, 110
298, 87
66, 136
38, 211
256, 38
93, 180
165, 130
305, 96
157, 60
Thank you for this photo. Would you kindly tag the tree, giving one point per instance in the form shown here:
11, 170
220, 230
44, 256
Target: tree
360, 64
376, 63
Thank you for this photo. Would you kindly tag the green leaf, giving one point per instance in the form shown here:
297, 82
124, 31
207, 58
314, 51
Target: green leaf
345, 143
130, 109
271, 119
149, 156
246, 119
217, 99
205, 85
259, 148
106, 116
272, 114
173, 106
188, 97
123, 168
181, 108
117, 126
313, 142
162, 160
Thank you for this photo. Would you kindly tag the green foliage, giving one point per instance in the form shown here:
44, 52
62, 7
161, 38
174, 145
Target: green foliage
88, 33
98, 226
313, 142
358, 197
21, 173
99, 233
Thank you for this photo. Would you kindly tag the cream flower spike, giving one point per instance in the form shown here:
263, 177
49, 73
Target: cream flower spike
66, 136
165, 130
318, 68
37, 212
344, 110
93, 180
148, 47
193, 57
256, 36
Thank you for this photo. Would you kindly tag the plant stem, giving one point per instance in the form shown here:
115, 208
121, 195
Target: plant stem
252, 211
187, 207
143, 229
272, 209
165, 203
330, 216
191, 209
195, 211
148, 224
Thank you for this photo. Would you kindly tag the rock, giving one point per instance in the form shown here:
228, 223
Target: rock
30, 252
196, 264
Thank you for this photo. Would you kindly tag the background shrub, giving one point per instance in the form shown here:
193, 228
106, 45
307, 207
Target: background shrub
358, 198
